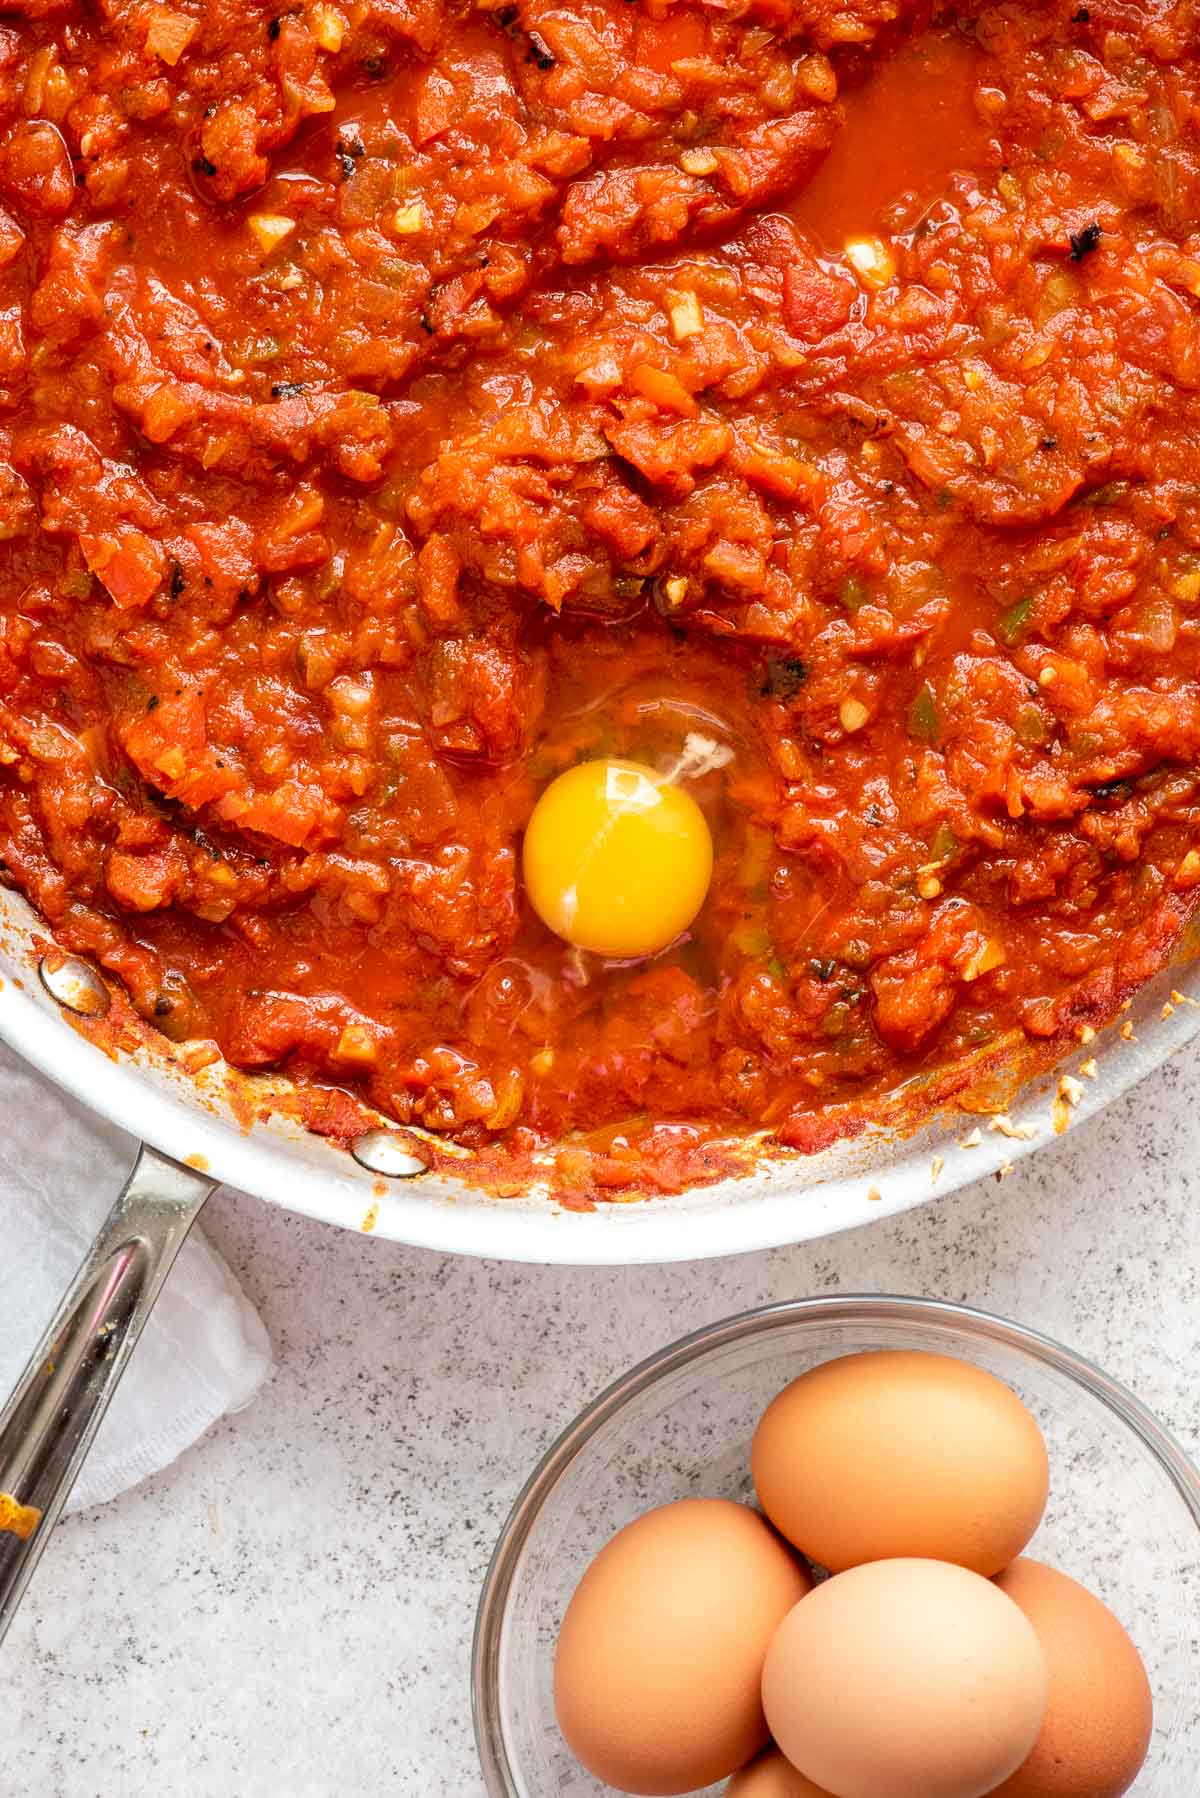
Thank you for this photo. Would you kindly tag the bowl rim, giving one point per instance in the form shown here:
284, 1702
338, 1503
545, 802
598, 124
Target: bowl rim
827, 1308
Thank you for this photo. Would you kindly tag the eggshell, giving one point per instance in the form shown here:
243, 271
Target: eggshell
1100, 1717
657, 1678
906, 1679
771, 1776
900, 1453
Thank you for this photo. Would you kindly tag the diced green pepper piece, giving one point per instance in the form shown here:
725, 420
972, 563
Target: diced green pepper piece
922, 715
1013, 622
854, 593
943, 845
751, 937
835, 1020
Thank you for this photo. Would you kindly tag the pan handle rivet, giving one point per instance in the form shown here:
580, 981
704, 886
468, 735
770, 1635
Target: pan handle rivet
380, 1152
75, 984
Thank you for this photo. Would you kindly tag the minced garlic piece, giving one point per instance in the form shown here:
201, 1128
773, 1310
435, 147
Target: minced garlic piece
871, 260
169, 33
853, 714
1188, 871
356, 1044
410, 219
271, 228
1038, 354
815, 74
327, 26
991, 956
1004, 1126
1069, 1093
699, 161
683, 310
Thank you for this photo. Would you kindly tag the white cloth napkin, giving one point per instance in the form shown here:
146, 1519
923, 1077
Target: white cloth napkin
204, 1351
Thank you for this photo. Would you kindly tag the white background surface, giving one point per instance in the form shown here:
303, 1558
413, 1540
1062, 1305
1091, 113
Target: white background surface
288, 1610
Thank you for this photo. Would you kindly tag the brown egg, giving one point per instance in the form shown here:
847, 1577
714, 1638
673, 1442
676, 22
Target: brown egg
770, 1776
906, 1679
898, 1453
1096, 1735
657, 1678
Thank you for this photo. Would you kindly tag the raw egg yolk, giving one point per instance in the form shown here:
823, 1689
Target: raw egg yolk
617, 860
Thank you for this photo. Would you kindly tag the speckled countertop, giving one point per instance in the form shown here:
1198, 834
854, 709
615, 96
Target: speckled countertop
288, 1609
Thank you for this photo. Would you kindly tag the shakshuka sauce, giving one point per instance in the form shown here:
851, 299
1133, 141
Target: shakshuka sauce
403, 401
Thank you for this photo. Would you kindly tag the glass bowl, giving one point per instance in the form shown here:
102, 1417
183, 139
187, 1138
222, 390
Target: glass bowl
1124, 1512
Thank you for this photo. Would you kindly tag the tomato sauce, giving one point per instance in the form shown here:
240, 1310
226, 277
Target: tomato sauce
910, 125
401, 401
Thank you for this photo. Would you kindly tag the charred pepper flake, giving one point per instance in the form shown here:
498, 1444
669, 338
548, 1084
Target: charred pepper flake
1085, 241
204, 167
348, 152
1112, 793
539, 52
784, 677
177, 583
286, 390
274, 27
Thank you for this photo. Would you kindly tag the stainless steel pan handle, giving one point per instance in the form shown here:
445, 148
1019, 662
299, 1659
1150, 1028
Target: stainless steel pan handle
48, 1424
